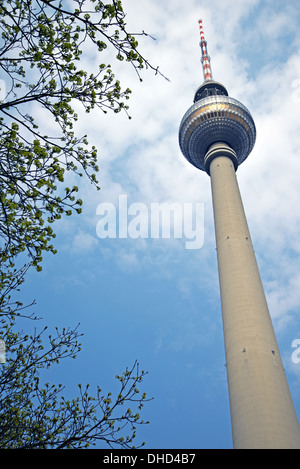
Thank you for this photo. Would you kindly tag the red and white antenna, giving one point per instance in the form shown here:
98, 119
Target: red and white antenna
205, 58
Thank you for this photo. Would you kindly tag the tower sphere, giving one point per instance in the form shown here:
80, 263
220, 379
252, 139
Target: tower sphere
215, 118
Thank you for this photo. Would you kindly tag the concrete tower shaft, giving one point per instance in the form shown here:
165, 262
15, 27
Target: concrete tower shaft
262, 411
217, 134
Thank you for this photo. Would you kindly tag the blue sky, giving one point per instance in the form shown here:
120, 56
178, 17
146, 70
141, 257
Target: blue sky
152, 299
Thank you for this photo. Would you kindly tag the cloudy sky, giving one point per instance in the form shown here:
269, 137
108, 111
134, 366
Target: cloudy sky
154, 300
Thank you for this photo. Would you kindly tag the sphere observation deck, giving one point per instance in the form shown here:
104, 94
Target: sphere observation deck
215, 118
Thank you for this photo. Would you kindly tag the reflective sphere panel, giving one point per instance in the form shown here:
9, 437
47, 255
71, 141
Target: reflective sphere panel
216, 119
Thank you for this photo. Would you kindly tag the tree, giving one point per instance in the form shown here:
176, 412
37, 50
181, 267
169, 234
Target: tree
35, 416
42, 43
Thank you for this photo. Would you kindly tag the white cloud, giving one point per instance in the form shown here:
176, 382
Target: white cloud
83, 242
141, 157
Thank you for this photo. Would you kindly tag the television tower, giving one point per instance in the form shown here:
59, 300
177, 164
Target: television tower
216, 135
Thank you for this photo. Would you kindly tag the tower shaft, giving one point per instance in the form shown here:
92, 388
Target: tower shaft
262, 411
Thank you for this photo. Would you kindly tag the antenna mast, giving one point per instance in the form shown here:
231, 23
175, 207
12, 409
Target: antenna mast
205, 58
